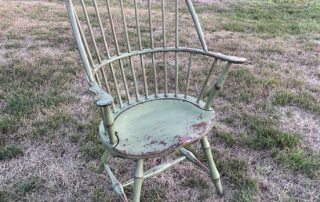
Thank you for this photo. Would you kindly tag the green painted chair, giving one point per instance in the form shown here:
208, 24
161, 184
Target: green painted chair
153, 113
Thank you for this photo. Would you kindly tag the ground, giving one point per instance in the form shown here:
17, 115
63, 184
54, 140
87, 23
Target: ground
266, 140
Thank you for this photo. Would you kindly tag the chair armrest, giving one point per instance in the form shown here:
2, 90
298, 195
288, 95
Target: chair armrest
103, 98
229, 58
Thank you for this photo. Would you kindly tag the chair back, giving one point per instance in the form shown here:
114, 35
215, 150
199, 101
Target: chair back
142, 50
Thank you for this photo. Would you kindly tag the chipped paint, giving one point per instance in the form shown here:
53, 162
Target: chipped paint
200, 125
162, 142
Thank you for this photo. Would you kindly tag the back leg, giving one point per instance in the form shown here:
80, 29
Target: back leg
215, 176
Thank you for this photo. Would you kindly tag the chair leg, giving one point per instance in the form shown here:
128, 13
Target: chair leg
116, 185
104, 159
138, 178
213, 169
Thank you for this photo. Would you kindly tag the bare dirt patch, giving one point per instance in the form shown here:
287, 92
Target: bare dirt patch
304, 123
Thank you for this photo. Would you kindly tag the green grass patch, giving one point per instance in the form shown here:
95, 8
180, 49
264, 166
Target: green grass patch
230, 120
7, 124
271, 65
272, 18
204, 195
99, 195
39, 131
285, 146
270, 137
90, 143
226, 138
245, 75
6, 195
244, 86
73, 137
91, 150
58, 121
265, 135
10, 151
29, 184
155, 193
13, 45
248, 190
2, 140
235, 169
195, 182
246, 187
268, 49
21, 187
248, 86
310, 45
302, 100
299, 160
22, 103
23, 74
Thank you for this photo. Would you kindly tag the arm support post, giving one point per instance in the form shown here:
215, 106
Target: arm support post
218, 84
108, 123
104, 100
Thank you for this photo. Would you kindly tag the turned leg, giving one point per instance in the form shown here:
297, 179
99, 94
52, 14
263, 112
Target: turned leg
138, 178
104, 159
116, 185
213, 169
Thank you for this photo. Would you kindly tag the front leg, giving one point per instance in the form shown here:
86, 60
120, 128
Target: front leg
215, 176
138, 178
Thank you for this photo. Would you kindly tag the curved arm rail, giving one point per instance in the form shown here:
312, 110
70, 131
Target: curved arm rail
220, 56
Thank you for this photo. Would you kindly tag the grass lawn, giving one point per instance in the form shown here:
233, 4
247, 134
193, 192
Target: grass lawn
266, 139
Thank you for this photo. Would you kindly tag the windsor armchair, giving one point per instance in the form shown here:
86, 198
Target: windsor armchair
154, 112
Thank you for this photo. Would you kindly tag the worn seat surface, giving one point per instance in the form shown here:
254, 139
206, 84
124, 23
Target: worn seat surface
160, 126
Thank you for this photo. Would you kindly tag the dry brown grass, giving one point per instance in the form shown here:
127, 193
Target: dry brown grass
48, 112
